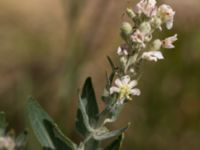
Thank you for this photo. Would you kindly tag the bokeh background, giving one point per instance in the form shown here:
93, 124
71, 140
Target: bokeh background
49, 47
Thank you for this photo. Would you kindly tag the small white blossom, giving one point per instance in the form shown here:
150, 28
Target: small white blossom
152, 56
168, 42
147, 7
122, 52
7, 143
125, 88
167, 15
138, 37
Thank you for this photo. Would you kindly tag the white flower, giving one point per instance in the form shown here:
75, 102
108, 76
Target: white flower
125, 88
6, 143
167, 15
147, 7
152, 56
122, 52
168, 42
138, 37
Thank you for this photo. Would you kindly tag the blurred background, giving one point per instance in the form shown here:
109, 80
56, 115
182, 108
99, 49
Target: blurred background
49, 47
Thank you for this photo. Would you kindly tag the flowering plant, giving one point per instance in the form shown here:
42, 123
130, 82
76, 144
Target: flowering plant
140, 44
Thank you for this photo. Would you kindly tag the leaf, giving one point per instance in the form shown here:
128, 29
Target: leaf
88, 96
82, 123
111, 134
43, 130
92, 144
88, 109
116, 144
58, 138
112, 75
111, 63
111, 111
3, 123
37, 116
21, 140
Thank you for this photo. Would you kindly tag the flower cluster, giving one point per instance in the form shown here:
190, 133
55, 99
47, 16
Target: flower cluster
140, 44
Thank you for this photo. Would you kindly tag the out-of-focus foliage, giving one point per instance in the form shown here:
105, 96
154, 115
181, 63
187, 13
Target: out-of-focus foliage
46, 45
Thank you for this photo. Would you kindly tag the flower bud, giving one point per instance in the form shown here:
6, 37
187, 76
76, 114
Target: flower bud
130, 13
145, 27
156, 22
126, 29
123, 60
148, 38
156, 45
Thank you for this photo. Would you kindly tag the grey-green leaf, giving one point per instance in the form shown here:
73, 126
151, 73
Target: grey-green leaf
44, 127
88, 109
60, 141
116, 144
111, 111
37, 116
91, 144
111, 134
83, 124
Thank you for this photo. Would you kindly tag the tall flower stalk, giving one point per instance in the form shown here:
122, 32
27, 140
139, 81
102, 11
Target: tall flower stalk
139, 44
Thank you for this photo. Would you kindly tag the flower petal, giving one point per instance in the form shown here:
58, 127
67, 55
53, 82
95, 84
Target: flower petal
135, 91
125, 79
132, 84
152, 56
114, 89
169, 24
119, 51
118, 82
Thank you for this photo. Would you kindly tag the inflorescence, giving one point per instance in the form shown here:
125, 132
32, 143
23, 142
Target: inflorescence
141, 45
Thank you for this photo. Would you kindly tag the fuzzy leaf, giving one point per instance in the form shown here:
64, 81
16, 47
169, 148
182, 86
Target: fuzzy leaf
111, 111
37, 116
116, 144
88, 109
92, 144
43, 127
58, 138
111, 134
82, 123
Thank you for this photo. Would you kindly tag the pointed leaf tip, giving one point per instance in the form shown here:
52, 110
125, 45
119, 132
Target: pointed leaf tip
116, 144
88, 109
